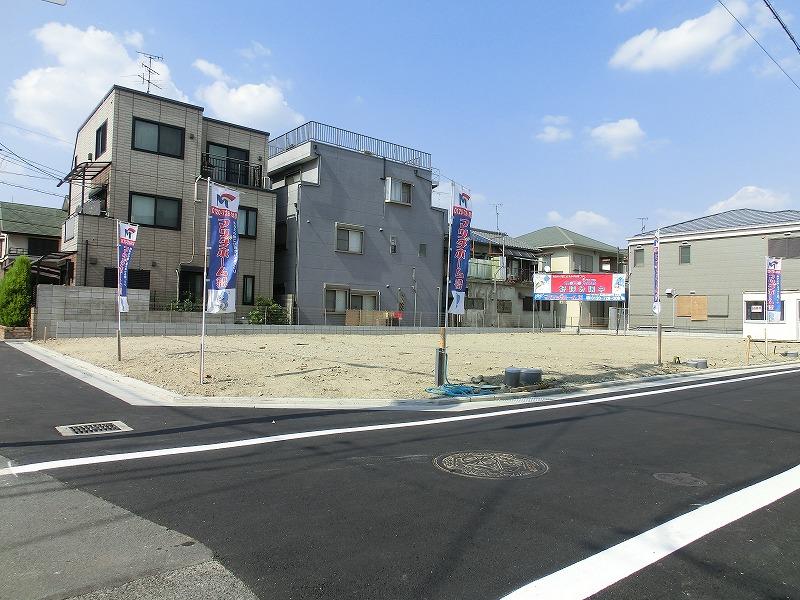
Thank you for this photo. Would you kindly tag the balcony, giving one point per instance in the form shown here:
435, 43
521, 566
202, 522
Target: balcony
341, 138
232, 171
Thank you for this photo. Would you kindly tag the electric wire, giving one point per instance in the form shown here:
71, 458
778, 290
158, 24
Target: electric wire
32, 189
772, 58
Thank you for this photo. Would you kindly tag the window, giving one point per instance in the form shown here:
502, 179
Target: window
100, 140
349, 239
584, 263
423, 250
248, 221
155, 211
363, 301
69, 228
755, 311
504, 306
474, 303
248, 289
398, 191
638, 257
393, 244
229, 164
541, 305
157, 138
785, 247
41, 246
605, 263
138, 279
527, 303
336, 300
684, 255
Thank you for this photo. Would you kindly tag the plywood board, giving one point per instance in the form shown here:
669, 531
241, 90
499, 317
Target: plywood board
683, 306
699, 308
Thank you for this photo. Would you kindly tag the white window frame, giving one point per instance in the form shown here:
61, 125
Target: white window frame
350, 229
364, 294
338, 293
390, 196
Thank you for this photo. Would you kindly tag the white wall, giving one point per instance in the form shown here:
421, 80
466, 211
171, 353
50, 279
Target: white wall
788, 329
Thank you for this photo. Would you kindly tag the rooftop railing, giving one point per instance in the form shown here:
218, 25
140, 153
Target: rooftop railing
341, 138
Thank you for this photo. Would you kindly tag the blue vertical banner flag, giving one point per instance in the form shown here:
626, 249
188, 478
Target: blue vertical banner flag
460, 248
657, 273
223, 257
774, 276
126, 241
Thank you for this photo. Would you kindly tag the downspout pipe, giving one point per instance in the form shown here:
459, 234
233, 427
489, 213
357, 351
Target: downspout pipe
191, 260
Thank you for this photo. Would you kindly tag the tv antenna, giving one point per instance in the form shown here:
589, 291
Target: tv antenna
148, 71
497, 206
644, 222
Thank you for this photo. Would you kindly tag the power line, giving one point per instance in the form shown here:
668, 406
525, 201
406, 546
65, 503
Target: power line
785, 28
24, 175
52, 137
19, 163
32, 164
32, 189
772, 58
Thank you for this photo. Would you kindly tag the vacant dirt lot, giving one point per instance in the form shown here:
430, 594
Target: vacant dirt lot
388, 366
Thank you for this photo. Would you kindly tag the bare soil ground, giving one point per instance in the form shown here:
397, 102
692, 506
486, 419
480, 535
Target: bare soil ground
390, 366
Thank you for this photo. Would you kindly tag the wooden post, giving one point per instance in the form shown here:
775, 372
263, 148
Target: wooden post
747, 351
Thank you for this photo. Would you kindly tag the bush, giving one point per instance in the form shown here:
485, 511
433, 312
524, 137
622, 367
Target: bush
185, 305
15, 294
267, 312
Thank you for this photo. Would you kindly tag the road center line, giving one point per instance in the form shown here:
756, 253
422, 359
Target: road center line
125, 456
591, 575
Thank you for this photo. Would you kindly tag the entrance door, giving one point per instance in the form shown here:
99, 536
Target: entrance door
191, 286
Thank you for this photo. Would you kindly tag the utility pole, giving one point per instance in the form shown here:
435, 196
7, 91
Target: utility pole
148, 71
502, 259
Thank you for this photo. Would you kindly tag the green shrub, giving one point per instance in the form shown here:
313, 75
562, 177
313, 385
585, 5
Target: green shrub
267, 312
185, 305
15, 294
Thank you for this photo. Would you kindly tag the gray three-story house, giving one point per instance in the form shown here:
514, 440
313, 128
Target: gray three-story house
357, 239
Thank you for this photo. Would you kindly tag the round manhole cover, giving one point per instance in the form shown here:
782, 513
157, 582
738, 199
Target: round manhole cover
491, 465
684, 479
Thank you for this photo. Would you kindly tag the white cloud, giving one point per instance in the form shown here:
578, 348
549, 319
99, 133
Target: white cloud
627, 5
134, 39
210, 69
255, 50
754, 197
554, 129
254, 104
586, 222
712, 40
619, 137
88, 62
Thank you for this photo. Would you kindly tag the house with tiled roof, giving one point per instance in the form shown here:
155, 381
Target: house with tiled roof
26, 229
708, 263
501, 273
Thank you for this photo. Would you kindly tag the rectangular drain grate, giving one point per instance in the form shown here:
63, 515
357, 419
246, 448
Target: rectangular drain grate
93, 428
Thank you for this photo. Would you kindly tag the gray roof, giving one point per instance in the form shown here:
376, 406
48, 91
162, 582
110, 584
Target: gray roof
28, 219
484, 236
732, 219
554, 236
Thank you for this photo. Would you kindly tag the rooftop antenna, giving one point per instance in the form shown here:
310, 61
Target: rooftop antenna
148, 71
644, 222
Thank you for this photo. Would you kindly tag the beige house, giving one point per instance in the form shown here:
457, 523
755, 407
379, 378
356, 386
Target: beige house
500, 288
137, 158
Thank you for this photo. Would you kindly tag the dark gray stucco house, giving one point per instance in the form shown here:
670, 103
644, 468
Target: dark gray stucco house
355, 229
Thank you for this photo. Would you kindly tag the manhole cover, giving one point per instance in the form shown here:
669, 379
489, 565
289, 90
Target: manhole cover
684, 479
491, 465
93, 428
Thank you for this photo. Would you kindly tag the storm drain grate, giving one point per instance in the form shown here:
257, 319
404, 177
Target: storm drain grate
93, 428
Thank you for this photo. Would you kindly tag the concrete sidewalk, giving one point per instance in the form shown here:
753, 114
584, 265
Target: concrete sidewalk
60, 543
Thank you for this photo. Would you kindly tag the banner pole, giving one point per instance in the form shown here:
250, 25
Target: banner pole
119, 291
205, 287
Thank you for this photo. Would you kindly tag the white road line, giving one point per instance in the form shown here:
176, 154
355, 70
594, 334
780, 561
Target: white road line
591, 575
124, 456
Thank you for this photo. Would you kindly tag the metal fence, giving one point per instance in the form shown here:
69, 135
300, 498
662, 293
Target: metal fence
233, 171
342, 138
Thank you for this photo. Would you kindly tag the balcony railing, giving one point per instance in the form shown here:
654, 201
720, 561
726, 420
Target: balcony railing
232, 171
327, 134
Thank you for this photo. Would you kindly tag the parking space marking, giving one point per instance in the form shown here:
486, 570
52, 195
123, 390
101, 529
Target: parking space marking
591, 575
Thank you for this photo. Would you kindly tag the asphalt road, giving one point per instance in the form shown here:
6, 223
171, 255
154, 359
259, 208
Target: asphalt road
367, 514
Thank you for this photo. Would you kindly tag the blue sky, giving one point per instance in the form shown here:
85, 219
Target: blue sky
587, 113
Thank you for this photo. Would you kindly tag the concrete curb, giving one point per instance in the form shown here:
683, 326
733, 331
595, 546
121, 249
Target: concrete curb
139, 393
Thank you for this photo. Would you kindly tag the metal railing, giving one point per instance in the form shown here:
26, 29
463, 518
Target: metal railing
232, 171
327, 134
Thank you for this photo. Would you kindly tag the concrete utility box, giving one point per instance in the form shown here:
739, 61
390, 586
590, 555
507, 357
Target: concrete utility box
754, 315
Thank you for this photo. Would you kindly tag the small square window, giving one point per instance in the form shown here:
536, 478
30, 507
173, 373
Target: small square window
684, 255
349, 240
423, 250
336, 300
247, 222
504, 306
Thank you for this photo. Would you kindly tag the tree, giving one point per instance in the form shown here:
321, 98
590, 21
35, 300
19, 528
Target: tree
15, 294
